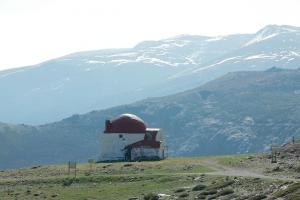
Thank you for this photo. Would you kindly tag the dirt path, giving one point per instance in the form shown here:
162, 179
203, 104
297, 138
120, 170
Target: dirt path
233, 171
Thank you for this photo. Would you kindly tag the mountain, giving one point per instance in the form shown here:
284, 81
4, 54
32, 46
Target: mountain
93, 80
240, 112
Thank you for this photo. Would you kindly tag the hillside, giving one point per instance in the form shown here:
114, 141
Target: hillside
93, 80
240, 112
223, 178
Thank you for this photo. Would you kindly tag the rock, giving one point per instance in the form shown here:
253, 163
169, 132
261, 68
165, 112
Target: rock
163, 195
127, 165
54, 195
35, 167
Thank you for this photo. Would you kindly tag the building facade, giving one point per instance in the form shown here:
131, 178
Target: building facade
126, 138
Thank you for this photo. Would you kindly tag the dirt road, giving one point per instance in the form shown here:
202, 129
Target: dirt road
234, 171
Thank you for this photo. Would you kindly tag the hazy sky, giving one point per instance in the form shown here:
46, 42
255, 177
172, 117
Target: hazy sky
32, 31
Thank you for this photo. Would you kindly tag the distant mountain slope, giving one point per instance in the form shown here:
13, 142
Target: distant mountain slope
240, 112
85, 81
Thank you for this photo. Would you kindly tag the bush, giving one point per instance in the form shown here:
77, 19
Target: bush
226, 192
199, 187
258, 197
209, 192
67, 182
151, 196
201, 196
276, 169
179, 190
87, 173
184, 195
222, 184
212, 197
128, 165
297, 168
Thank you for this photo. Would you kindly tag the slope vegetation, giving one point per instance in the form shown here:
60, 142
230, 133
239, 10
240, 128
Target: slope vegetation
241, 112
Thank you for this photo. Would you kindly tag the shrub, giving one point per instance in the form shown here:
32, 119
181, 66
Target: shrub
258, 197
209, 192
297, 168
199, 187
184, 195
226, 192
201, 196
212, 197
151, 196
67, 182
179, 190
276, 169
222, 184
128, 165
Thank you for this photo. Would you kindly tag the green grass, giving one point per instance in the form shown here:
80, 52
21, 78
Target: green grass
102, 181
116, 187
231, 160
182, 178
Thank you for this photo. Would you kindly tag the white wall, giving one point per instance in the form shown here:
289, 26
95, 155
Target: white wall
111, 145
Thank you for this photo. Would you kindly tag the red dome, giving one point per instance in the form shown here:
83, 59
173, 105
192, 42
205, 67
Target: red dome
125, 123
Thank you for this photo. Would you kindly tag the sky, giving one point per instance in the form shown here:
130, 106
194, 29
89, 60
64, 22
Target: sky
32, 31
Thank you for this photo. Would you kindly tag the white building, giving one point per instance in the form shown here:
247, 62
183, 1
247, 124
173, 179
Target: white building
126, 138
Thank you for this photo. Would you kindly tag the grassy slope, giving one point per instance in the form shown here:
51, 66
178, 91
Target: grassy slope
109, 181
173, 176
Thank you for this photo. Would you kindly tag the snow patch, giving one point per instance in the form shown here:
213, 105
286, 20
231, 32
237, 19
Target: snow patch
120, 61
129, 54
95, 62
190, 60
214, 39
248, 120
295, 53
260, 56
171, 44
154, 61
215, 64
260, 38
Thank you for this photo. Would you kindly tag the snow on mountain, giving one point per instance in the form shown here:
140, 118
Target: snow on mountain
260, 38
84, 81
271, 46
270, 32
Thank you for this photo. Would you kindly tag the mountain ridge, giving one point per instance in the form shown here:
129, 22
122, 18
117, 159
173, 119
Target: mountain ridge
241, 112
105, 78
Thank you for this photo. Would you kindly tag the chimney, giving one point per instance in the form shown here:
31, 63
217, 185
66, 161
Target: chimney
108, 125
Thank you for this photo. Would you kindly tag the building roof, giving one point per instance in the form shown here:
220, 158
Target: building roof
149, 141
125, 123
145, 144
